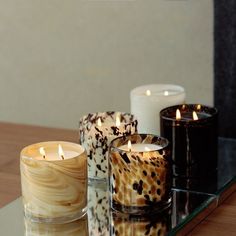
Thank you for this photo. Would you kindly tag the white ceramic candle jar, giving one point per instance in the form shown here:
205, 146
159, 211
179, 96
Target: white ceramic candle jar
148, 100
54, 181
139, 174
97, 130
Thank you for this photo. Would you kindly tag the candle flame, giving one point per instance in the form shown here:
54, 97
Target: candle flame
60, 151
195, 117
99, 122
198, 107
129, 145
42, 152
118, 120
178, 114
183, 106
148, 92
147, 149
166, 93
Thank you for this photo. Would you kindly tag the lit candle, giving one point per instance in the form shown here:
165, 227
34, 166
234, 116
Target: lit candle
148, 100
140, 174
97, 130
192, 132
54, 181
140, 147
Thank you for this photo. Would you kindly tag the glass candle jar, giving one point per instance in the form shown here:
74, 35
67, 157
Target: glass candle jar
98, 209
75, 228
97, 130
130, 225
54, 181
140, 174
192, 132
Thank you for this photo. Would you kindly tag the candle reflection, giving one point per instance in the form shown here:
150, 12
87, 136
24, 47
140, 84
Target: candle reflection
130, 225
98, 210
79, 227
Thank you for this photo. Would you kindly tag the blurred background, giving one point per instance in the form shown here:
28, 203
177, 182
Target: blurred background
62, 59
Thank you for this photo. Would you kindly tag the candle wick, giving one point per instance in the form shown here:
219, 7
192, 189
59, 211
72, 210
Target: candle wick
44, 156
62, 157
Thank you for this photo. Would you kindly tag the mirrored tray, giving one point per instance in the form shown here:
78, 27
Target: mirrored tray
189, 207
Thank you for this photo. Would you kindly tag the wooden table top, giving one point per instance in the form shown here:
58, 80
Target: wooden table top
14, 137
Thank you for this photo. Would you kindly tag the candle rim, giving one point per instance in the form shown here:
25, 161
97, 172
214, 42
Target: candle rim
137, 134
189, 108
161, 148
85, 121
140, 91
36, 146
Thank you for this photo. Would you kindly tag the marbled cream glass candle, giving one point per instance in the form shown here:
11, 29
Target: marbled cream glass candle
54, 181
97, 130
75, 228
140, 174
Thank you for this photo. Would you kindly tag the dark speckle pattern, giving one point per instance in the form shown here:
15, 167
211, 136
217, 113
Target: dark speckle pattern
96, 139
143, 181
98, 210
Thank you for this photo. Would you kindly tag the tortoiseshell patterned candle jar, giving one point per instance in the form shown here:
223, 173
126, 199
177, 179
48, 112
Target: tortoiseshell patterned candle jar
97, 130
140, 174
148, 225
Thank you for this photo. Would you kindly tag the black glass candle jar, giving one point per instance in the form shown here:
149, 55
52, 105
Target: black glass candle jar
192, 132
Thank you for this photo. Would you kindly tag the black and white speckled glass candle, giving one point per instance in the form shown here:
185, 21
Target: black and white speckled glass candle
98, 209
140, 175
97, 130
193, 139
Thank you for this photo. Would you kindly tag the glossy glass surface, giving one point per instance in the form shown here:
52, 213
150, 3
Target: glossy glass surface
188, 208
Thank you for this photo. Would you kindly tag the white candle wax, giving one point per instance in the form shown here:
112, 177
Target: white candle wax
54, 156
147, 101
141, 147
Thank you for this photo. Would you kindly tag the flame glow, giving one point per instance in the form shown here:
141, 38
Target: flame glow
198, 107
129, 145
118, 120
166, 93
60, 151
195, 117
178, 114
148, 92
42, 152
99, 122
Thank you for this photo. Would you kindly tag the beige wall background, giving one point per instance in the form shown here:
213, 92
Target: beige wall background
62, 59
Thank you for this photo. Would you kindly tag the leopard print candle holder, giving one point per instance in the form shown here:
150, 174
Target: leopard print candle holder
140, 175
97, 130
130, 225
